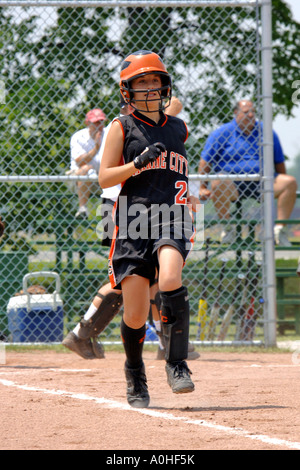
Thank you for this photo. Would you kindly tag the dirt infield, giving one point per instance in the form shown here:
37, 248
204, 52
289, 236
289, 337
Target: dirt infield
51, 400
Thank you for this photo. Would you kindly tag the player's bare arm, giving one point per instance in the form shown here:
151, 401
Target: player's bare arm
114, 175
111, 172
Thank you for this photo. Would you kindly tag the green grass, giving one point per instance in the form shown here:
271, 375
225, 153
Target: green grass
152, 347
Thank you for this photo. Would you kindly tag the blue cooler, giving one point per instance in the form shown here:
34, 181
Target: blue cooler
36, 318
151, 334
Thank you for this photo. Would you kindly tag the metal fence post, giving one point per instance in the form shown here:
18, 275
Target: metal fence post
270, 287
39, 195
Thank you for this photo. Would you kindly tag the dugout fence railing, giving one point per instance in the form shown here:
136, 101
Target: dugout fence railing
60, 59
236, 257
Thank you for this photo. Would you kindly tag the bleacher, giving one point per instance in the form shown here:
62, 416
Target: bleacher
65, 237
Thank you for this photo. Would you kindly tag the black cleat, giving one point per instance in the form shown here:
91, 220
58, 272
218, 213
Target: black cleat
83, 347
178, 375
137, 390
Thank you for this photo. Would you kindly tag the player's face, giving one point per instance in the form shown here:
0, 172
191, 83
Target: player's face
245, 116
146, 90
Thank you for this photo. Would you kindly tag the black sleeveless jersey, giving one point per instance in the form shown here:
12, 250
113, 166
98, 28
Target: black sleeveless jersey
166, 179
151, 210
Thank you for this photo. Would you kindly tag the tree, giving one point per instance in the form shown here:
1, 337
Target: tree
286, 51
210, 53
52, 78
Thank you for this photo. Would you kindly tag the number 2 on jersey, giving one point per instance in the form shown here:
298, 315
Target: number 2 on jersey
179, 197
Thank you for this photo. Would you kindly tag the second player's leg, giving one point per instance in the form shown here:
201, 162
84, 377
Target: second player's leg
105, 306
175, 319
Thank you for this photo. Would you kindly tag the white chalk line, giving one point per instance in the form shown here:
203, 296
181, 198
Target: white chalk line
112, 404
38, 370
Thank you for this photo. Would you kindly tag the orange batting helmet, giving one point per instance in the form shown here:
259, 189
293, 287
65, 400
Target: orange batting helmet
141, 63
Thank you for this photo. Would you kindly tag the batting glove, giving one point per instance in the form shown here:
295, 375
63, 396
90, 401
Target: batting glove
150, 154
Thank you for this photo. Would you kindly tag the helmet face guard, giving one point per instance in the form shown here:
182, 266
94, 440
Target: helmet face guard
137, 65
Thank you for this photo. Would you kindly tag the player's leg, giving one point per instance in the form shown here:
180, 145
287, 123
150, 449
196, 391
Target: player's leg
133, 331
154, 310
175, 319
105, 306
155, 305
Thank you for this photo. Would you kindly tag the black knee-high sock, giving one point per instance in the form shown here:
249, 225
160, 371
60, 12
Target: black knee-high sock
133, 341
173, 292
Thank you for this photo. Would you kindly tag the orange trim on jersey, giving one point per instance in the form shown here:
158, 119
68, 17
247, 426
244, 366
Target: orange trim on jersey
148, 123
166, 120
187, 132
192, 241
111, 273
142, 120
122, 161
113, 212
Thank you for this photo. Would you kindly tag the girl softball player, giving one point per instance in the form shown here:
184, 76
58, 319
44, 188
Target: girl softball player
145, 153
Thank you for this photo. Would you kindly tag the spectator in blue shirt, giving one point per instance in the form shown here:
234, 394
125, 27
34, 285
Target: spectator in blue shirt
234, 149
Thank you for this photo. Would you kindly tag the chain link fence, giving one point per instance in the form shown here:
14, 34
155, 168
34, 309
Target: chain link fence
61, 59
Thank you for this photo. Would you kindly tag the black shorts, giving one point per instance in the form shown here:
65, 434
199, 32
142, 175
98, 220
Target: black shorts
128, 257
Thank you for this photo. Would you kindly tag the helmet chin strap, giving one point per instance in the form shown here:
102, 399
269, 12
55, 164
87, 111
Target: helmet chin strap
134, 102
161, 100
